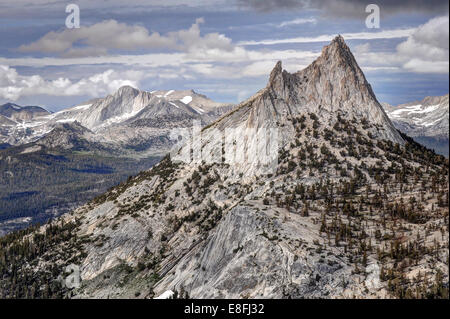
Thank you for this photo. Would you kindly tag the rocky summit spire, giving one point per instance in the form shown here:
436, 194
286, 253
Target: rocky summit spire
276, 79
337, 62
333, 84
340, 42
276, 71
336, 83
338, 51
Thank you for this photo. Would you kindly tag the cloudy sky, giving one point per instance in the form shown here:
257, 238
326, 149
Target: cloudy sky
224, 49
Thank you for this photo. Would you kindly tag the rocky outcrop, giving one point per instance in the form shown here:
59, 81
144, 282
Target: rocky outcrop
240, 260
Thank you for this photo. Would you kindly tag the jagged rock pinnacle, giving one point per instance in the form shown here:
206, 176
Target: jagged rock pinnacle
339, 51
275, 75
276, 70
339, 39
333, 83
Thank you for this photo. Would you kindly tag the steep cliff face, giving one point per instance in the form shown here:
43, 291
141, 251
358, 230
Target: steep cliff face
126, 102
335, 83
245, 257
319, 224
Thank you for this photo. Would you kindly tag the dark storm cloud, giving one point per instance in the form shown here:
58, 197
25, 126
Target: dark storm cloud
349, 8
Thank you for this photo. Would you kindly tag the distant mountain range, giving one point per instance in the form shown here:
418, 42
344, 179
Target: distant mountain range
16, 113
52, 162
350, 207
427, 121
130, 122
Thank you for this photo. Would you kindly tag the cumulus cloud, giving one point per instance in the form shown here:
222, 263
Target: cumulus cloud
348, 8
211, 56
98, 39
426, 50
429, 42
13, 85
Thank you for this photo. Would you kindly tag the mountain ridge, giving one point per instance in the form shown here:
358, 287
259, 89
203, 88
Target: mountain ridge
352, 209
119, 112
427, 121
16, 112
282, 83
99, 141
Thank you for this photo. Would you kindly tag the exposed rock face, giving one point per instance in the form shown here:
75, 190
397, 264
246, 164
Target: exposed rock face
129, 105
427, 121
4, 121
332, 84
336, 83
302, 231
237, 261
13, 119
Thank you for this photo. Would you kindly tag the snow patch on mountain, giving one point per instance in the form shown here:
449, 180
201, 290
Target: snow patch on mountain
427, 121
168, 294
168, 93
66, 121
414, 109
82, 107
197, 109
429, 117
187, 99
